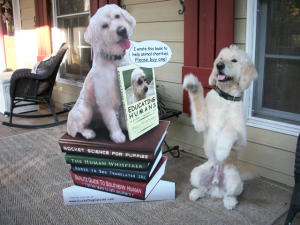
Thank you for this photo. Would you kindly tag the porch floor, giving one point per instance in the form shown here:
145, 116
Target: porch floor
11, 131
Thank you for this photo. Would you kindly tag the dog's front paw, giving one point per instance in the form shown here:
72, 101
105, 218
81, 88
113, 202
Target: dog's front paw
230, 202
117, 137
88, 134
222, 153
199, 125
191, 84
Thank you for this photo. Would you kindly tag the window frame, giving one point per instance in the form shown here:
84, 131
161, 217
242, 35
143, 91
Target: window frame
250, 48
55, 29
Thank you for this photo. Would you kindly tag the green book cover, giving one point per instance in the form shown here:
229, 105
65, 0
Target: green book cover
105, 162
138, 91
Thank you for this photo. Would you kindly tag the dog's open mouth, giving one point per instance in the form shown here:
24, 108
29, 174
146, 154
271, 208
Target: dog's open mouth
222, 77
125, 43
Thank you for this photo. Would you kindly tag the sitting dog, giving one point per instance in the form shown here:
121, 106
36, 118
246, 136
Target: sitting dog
221, 117
100, 98
139, 84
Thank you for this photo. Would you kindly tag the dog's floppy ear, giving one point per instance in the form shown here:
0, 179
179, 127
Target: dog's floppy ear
128, 17
248, 74
212, 80
89, 36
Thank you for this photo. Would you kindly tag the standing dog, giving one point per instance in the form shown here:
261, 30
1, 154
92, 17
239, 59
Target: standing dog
100, 98
139, 84
221, 117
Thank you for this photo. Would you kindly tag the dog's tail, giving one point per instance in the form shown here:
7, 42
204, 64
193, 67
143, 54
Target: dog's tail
247, 172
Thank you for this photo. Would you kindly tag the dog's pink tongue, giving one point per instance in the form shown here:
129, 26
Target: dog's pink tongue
221, 77
125, 44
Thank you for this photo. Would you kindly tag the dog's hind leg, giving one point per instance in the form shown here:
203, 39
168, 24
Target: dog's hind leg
195, 89
84, 114
233, 186
111, 121
70, 125
197, 179
197, 193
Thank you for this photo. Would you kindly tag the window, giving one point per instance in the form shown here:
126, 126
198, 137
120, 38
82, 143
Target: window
276, 94
71, 20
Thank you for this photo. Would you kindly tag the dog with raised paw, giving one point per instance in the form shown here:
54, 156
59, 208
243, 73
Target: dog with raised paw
221, 118
99, 102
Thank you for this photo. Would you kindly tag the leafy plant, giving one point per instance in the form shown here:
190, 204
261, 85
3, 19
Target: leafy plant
6, 10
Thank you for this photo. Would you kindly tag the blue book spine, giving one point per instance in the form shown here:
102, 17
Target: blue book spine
137, 175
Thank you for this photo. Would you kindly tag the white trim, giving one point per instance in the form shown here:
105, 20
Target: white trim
18, 37
250, 49
73, 14
2, 55
248, 94
69, 82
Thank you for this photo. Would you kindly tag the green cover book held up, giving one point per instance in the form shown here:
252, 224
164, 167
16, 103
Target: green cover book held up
105, 162
138, 91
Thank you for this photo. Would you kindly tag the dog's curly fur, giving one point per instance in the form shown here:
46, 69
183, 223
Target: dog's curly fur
100, 98
223, 123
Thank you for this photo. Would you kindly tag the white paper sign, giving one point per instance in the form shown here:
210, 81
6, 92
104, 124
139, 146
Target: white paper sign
77, 195
150, 54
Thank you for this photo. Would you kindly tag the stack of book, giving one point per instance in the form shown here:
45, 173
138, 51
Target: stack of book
131, 169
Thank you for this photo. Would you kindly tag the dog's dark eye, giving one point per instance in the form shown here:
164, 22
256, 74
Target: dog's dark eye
234, 60
145, 80
140, 82
117, 16
105, 26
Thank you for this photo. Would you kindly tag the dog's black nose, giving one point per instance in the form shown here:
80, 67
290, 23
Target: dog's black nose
220, 66
145, 89
121, 31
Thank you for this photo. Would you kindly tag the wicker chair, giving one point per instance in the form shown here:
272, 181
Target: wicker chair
35, 88
295, 201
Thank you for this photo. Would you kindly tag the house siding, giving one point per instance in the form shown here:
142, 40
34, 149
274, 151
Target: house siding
27, 14
271, 153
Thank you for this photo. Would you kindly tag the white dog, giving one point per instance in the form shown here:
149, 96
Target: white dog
222, 118
100, 97
139, 84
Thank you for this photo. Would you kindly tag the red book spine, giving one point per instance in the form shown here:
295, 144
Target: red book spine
119, 153
117, 186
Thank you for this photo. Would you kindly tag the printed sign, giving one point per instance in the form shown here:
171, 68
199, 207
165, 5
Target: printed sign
150, 53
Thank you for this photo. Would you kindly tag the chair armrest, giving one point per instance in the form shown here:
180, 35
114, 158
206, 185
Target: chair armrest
26, 73
23, 78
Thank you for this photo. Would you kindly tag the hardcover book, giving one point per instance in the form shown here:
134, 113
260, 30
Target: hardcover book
127, 174
133, 189
139, 99
144, 148
105, 162
77, 195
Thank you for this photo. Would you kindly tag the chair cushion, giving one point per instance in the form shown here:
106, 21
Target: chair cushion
41, 68
43, 87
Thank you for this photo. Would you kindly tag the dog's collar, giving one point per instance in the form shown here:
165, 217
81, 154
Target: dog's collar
112, 57
227, 96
